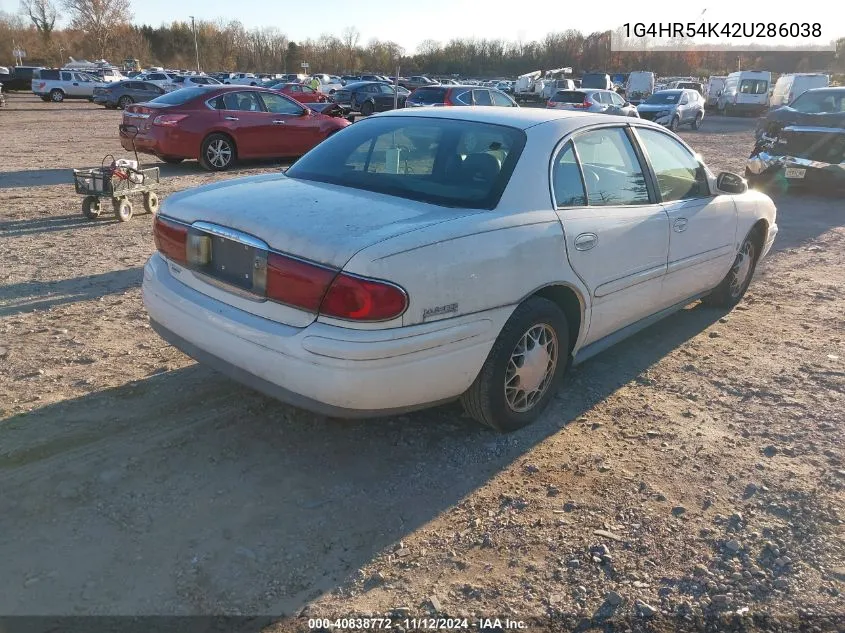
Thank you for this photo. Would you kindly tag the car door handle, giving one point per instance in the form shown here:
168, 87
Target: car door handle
586, 241
680, 225
232, 118
278, 122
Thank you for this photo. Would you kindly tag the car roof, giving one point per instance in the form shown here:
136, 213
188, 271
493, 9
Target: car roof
671, 91
826, 89
522, 118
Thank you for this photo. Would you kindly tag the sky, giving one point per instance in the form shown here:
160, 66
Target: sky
408, 23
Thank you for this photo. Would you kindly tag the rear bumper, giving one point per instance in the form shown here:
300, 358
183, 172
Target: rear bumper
156, 142
331, 370
817, 174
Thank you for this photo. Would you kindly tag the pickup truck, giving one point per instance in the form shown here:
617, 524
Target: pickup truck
418, 81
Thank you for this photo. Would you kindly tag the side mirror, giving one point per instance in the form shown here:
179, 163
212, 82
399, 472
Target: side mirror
727, 182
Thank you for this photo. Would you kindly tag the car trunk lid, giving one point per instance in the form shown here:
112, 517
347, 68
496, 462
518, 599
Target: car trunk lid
318, 224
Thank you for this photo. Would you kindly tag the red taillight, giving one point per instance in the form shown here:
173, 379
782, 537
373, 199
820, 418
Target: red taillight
586, 103
171, 239
550, 104
361, 299
297, 283
168, 119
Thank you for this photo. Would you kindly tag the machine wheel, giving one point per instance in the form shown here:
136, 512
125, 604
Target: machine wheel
524, 368
151, 202
91, 207
122, 209
367, 109
124, 101
56, 95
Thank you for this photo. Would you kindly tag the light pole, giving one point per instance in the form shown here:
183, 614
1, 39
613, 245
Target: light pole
196, 46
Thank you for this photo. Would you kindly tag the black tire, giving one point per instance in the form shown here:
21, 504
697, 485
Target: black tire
486, 399
171, 160
730, 291
151, 202
674, 123
56, 95
124, 101
367, 109
699, 119
91, 207
218, 152
122, 209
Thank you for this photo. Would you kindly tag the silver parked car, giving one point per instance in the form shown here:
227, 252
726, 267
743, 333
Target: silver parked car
674, 108
601, 101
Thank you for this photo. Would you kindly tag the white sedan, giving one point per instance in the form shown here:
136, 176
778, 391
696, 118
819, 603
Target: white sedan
421, 256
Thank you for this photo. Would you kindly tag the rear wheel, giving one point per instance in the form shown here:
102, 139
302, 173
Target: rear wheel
217, 153
367, 109
56, 95
151, 202
524, 368
124, 101
91, 207
732, 288
122, 209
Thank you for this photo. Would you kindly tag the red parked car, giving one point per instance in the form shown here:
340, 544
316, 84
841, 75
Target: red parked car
220, 124
301, 92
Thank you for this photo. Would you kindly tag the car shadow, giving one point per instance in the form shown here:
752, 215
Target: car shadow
223, 497
33, 295
18, 228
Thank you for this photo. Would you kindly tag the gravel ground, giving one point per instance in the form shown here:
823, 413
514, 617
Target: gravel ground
694, 471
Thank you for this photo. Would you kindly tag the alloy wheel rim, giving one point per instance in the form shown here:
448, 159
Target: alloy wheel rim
531, 367
741, 270
219, 153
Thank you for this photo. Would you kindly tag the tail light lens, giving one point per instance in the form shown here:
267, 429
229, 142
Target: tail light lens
586, 103
168, 120
171, 239
297, 283
361, 299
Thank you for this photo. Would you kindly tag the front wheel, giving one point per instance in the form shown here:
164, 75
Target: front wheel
151, 202
699, 118
732, 288
217, 153
674, 123
523, 369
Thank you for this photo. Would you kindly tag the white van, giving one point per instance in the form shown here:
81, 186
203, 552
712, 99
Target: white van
715, 85
791, 86
745, 91
640, 86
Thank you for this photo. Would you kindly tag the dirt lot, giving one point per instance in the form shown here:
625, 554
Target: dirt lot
706, 451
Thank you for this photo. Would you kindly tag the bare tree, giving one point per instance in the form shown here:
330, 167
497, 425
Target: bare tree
99, 19
351, 37
43, 16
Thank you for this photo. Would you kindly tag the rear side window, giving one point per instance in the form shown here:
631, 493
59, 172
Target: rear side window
49, 75
566, 180
482, 97
464, 97
612, 170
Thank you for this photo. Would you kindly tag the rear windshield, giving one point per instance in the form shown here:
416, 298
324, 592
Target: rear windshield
183, 95
447, 162
428, 95
569, 96
663, 97
594, 81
